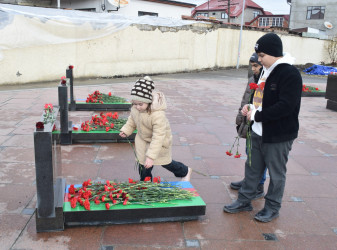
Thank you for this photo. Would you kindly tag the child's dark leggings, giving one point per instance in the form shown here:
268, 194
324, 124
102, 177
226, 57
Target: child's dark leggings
177, 168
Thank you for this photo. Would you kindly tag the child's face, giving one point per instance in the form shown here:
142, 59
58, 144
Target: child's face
266, 60
255, 68
140, 106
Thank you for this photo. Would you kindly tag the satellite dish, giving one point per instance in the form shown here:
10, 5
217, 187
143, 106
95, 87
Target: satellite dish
328, 25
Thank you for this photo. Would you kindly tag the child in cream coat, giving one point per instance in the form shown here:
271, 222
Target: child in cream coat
153, 141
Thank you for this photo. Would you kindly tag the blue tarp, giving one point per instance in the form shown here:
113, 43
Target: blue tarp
320, 70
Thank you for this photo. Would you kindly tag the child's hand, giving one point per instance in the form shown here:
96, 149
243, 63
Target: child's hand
245, 110
122, 134
148, 162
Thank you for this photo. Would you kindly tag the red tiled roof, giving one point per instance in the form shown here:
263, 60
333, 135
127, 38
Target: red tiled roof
235, 9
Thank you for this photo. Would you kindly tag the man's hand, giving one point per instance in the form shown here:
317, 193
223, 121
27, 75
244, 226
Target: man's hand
148, 162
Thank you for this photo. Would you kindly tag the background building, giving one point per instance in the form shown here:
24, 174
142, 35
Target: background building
162, 8
218, 9
314, 17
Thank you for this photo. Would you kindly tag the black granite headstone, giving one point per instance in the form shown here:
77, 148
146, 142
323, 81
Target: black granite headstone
50, 185
66, 126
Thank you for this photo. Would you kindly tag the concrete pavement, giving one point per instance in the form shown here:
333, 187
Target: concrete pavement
201, 108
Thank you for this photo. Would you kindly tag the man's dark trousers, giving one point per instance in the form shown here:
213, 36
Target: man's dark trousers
275, 157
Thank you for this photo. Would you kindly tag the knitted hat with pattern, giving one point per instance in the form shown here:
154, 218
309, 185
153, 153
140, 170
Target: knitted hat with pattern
142, 91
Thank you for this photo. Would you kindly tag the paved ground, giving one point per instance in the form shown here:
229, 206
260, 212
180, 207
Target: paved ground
202, 110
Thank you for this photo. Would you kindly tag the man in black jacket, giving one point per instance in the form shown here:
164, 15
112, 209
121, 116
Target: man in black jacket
274, 112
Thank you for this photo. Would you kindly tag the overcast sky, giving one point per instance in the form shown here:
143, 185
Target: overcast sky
274, 6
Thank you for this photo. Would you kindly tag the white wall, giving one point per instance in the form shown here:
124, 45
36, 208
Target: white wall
142, 49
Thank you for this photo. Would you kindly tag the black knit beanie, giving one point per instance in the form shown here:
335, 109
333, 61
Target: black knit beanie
142, 91
270, 44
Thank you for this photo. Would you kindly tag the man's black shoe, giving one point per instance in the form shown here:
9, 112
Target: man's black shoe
259, 192
266, 215
237, 207
236, 185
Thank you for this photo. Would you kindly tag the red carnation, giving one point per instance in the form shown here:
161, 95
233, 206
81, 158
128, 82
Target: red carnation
39, 125
237, 155
253, 85
87, 204
73, 202
229, 153
71, 189
156, 179
107, 205
147, 178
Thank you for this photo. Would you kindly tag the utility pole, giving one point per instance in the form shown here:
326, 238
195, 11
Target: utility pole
208, 8
229, 10
229, 4
242, 19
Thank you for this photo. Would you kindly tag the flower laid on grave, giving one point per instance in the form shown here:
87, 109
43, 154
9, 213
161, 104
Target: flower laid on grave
307, 88
98, 97
253, 86
104, 122
39, 125
63, 80
48, 116
127, 193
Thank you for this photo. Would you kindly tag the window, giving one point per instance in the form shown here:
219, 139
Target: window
89, 10
143, 13
256, 13
203, 14
315, 12
277, 22
263, 21
224, 15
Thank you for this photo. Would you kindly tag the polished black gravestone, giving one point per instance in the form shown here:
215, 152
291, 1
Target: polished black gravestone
83, 106
331, 92
50, 186
65, 124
